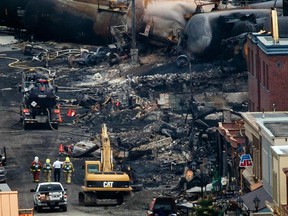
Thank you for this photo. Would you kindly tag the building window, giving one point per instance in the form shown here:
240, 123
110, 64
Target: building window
263, 74
258, 68
267, 77
249, 60
275, 186
256, 155
252, 63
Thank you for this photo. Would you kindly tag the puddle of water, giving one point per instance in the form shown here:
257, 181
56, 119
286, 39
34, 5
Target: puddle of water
7, 39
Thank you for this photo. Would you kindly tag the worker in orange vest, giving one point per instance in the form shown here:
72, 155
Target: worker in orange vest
35, 169
68, 170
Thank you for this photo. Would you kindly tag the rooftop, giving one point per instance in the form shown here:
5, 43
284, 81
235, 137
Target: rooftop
253, 117
274, 123
278, 129
280, 150
268, 45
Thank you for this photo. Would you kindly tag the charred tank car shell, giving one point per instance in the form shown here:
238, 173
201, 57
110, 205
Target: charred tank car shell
50, 19
217, 26
12, 13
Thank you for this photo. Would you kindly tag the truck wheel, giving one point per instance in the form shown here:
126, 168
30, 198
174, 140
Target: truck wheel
81, 199
64, 208
55, 126
120, 200
39, 209
25, 125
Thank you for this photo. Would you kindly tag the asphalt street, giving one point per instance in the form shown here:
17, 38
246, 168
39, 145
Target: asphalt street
23, 145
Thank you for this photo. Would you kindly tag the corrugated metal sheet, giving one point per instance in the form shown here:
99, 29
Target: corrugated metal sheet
26, 212
9, 203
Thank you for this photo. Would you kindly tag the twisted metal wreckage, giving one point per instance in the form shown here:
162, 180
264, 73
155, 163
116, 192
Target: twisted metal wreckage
183, 24
162, 22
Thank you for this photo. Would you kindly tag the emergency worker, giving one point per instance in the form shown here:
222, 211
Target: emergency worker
57, 169
68, 169
47, 168
35, 169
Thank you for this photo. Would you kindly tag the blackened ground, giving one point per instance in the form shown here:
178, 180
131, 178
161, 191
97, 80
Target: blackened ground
153, 171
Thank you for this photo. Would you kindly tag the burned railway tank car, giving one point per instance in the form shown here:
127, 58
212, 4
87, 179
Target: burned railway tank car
70, 21
222, 27
12, 13
93, 21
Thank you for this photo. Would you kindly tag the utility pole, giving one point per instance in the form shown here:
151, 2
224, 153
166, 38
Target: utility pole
134, 50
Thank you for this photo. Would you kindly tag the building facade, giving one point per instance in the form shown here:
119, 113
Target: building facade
267, 63
272, 130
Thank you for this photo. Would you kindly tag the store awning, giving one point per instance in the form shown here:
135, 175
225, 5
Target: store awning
232, 132
248, 176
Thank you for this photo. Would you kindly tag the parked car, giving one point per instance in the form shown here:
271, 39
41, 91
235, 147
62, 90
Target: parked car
3, 174
163, 206
3, 158
51, 195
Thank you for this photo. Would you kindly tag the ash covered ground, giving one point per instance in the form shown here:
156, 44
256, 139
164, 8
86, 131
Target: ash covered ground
166, 119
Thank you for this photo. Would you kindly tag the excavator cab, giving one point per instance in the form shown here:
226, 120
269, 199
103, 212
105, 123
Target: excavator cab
92, 168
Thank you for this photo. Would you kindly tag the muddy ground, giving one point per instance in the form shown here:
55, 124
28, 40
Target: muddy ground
155, 134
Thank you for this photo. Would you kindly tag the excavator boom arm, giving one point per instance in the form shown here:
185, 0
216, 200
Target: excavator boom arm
106, 154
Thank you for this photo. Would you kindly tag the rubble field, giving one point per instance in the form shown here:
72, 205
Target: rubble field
165, 116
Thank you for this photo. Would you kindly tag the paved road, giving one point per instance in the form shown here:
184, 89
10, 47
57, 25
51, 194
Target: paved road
22, 146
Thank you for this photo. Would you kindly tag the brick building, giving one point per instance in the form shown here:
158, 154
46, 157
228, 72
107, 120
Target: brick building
267, 62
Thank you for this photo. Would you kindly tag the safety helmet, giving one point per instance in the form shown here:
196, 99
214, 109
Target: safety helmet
47, 160
36, 159
67, 159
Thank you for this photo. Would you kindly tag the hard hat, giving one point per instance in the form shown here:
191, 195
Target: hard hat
36, 159
67, 159
47, 160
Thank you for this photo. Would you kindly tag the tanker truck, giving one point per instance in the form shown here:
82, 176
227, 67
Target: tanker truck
39, 102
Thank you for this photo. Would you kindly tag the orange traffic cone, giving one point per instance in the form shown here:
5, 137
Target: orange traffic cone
61, 149
58, 112
71, 113
60, 118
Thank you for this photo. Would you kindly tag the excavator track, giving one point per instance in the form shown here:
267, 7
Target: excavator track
92, 198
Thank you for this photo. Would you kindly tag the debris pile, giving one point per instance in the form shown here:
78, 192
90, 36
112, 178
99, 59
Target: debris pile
156, 116
160, 117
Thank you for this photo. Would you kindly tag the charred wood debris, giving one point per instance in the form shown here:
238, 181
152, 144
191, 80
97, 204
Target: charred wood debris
160, 117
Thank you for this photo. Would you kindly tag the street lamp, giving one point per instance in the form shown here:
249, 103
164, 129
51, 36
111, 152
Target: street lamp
256, 202
232, 186
134, 50
217, 186
203, 173
194, 166
209, 165
240, 202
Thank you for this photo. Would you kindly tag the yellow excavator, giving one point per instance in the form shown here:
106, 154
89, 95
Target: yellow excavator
102, 182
